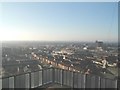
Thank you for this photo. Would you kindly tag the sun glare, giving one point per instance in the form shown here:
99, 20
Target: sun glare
8, 36
11, 34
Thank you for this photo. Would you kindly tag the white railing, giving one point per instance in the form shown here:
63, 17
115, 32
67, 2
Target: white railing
55, 75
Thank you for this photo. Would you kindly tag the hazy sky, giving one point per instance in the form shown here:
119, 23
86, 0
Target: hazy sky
60, 21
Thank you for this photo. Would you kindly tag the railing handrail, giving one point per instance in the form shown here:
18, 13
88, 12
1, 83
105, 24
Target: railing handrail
85, 74
53, 68
53, 74
13, 75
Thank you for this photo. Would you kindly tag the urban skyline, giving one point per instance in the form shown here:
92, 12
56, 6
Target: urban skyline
60, 21
59, 45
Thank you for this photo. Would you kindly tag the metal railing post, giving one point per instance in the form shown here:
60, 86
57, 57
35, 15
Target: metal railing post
99, 84
118, 82
72, 79
14, 81
53, 75
42, 76
84, 83
62, 76
29, 80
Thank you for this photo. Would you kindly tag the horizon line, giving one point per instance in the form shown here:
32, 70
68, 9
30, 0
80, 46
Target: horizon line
55, 41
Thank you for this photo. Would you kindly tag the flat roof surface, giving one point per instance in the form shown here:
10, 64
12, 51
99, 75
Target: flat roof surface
53, 86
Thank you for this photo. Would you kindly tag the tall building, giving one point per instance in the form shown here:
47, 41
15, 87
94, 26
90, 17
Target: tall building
99, 45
